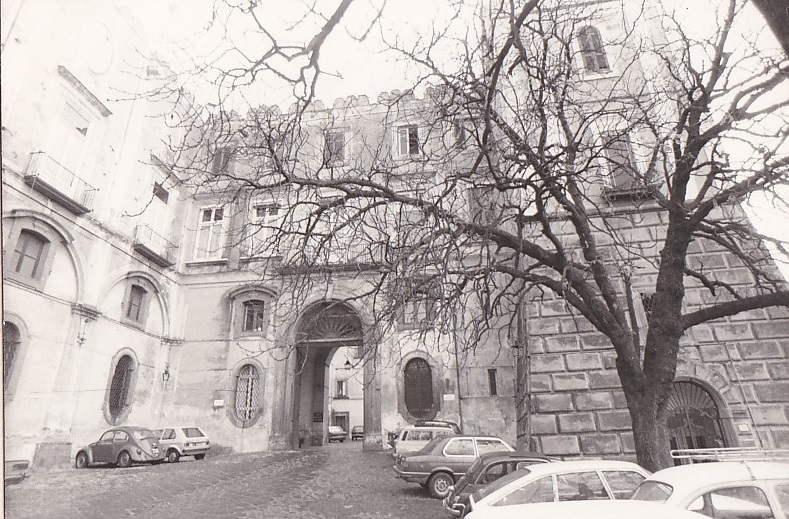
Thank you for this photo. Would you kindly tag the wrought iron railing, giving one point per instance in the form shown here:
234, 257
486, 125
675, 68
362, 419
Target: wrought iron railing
156, 244
44, 168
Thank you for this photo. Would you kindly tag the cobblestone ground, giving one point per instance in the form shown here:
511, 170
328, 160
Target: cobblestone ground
335, 481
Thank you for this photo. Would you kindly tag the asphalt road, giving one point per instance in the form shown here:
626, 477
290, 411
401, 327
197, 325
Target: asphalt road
335, 481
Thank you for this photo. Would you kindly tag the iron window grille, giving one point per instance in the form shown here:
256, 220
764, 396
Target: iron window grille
11, 342
247, 383
119, 387
418, 388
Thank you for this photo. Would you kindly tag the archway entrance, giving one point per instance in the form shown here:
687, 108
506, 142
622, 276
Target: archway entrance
322, 330
694, 418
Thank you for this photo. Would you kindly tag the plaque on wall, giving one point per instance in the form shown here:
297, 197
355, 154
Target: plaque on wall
317, 417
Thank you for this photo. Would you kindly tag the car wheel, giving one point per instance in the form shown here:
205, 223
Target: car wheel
439, 484
173, 456
199, 456
82, 460
124, 459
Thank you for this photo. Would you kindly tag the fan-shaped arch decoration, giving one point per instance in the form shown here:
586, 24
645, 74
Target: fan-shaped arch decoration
330, 322
693, 417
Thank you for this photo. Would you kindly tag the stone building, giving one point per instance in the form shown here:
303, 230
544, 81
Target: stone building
131, 297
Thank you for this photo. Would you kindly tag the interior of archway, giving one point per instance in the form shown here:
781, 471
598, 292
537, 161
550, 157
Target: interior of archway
323, 331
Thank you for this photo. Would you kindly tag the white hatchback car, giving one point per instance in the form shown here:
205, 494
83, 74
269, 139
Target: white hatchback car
183, 441
722, 489
523, 492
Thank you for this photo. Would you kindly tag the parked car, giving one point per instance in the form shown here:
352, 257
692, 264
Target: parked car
486, 469
357, 433
121, 446
580, 480
15, 471
411, 439
444, 460
439, 423
183, 441
753, 489
620, 509
337, 433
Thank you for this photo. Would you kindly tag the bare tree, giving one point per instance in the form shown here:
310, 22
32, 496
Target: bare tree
524, 170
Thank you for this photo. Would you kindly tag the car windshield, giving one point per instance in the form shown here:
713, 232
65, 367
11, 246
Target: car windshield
142, 434
652, 491
335, 429
499, 483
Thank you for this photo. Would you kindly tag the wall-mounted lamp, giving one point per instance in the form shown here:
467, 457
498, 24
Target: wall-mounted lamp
166, 372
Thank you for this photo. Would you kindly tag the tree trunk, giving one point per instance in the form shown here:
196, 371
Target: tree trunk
650, 431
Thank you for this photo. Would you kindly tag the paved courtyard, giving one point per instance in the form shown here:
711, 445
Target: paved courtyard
338, 480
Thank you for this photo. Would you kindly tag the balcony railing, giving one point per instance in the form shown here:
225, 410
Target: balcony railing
154, 246
47, 176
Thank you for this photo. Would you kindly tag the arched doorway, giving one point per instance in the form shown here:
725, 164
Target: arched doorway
694, 417
11, 341
321, 331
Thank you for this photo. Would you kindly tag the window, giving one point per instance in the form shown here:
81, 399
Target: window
408, 140
420, 304
459, 133
334, 150
210, 243
342, 389
69, 137
622, 482
493, 382
120, 388
29, 254
169, 434
580, 486
223, 161
254, 316
592, 50
263, 226
11, 342
539, 491
484, 204
490, 445
246, 404
192, 432
107, 436
418, 388
160, 192
733, 502
460, 447
621, 162
782, 492
120, 437
135, 302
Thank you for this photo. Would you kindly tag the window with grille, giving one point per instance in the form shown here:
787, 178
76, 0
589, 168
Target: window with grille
493, 383
592, 50
334, 150
408, 140
28, 257
11, 342
418, 388
120, 387
254, 316
211, 234
247, 382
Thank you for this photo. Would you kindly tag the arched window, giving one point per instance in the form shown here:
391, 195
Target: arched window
247, 384
418, 388
120, 387
693, 418
592, 50
11, 341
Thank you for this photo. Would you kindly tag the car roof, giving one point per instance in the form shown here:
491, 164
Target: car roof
721, 472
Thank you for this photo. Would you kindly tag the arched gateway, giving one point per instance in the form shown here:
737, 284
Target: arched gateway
323, 329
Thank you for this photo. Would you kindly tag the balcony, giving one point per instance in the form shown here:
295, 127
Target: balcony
153, 246
48, 177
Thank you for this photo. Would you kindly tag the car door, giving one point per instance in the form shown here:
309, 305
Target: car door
459, 454
120, 440
102, 449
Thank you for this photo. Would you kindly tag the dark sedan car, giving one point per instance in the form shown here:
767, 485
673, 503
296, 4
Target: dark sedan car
444, 460
487, 468
357, 433
121, 446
